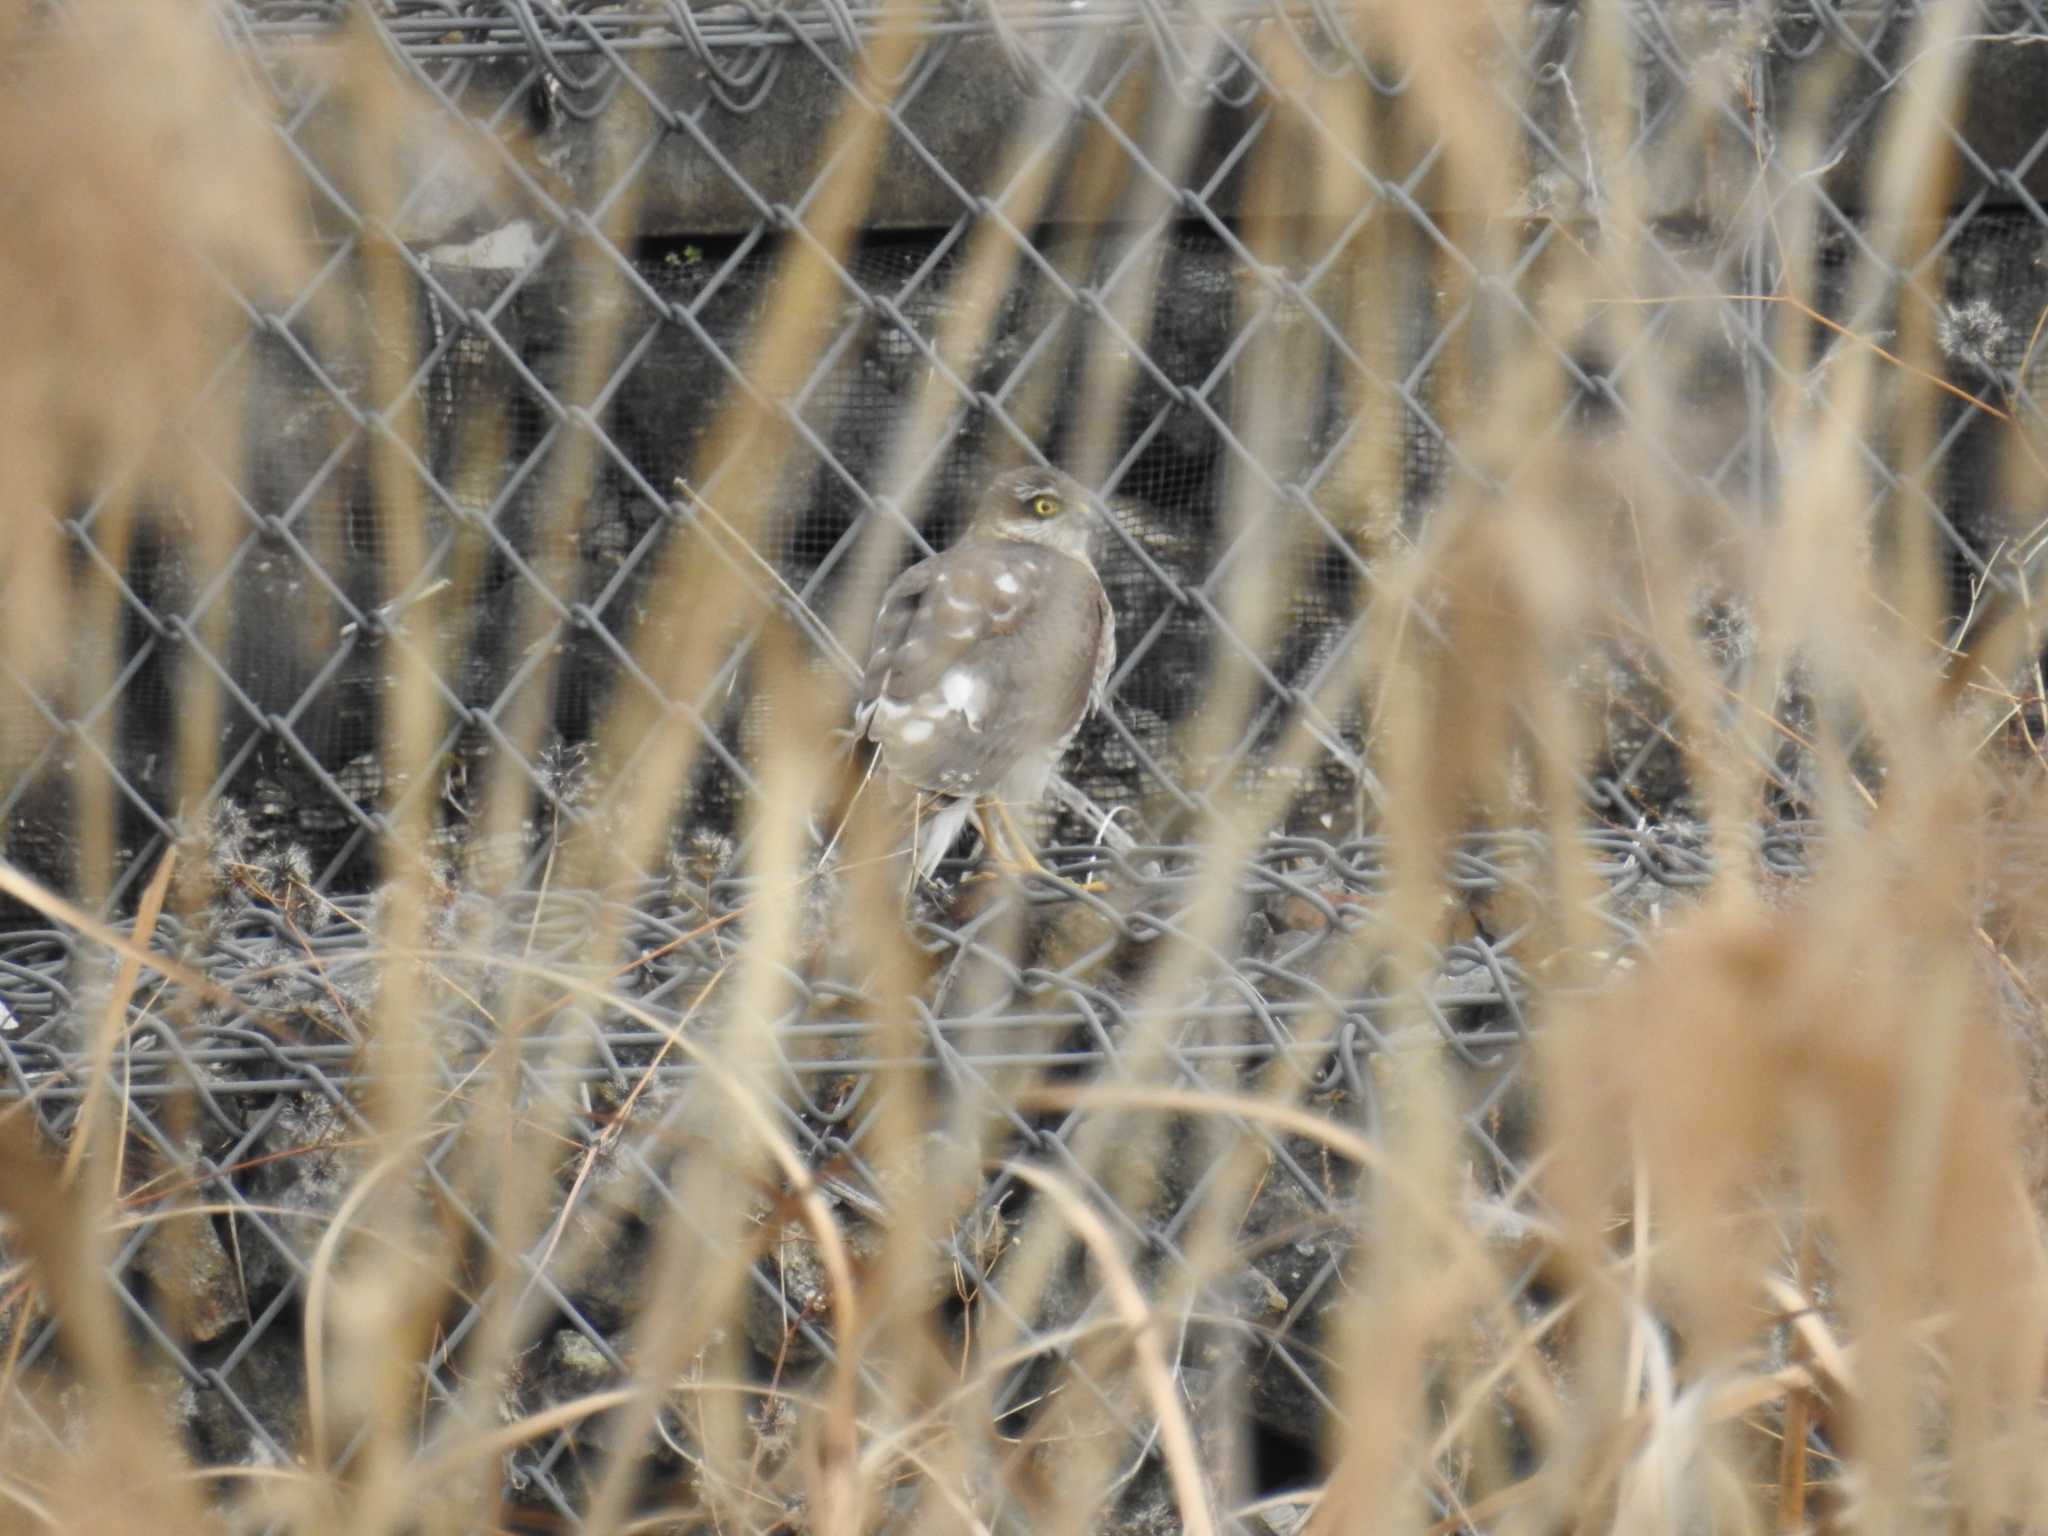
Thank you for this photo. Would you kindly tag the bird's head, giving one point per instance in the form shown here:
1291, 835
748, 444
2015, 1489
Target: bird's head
1039, 506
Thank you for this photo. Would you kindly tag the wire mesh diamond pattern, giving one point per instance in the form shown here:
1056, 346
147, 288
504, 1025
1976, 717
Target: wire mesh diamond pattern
592, 203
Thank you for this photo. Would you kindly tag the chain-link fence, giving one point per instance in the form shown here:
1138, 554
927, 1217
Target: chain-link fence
587, 209
274, 1133
677, 196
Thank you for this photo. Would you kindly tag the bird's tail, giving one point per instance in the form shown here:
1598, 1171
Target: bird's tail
931, 824
935, 829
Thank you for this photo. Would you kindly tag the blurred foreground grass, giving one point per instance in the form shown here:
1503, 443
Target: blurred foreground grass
1774, 1259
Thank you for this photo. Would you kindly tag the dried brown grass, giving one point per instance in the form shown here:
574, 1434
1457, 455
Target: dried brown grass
1785, 1161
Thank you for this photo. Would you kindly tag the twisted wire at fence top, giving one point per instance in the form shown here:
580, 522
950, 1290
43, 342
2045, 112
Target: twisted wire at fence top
573, 42
741, 44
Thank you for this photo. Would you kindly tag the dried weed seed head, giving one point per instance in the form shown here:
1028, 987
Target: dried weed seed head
125, 200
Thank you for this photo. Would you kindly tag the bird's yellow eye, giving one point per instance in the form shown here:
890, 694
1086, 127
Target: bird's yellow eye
1046, 506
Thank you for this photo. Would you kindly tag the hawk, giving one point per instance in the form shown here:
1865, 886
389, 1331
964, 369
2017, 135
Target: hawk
987, 657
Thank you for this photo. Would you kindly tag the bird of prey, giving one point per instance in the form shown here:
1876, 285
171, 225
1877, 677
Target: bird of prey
987, 657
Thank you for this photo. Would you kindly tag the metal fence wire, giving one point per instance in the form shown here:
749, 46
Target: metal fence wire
664, 156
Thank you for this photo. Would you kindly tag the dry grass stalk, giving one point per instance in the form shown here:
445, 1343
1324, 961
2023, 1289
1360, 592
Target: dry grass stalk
1779, 1190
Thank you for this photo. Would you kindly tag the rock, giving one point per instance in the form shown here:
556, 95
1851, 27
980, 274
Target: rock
801, 1294
267, 1384
576, 1367
193, 1277
310, 1159
1286, 1291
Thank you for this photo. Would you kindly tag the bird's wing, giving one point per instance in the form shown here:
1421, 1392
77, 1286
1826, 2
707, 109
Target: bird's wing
898, 614
1105, 647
